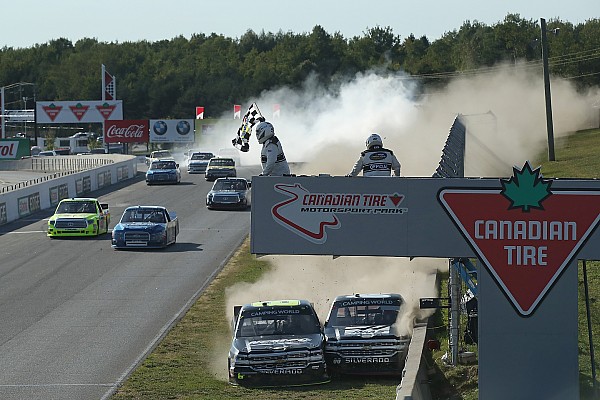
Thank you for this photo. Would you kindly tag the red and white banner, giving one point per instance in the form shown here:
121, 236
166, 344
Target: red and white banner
126, 131
65, 112
237, 111
276, 111
199, 112
109, 85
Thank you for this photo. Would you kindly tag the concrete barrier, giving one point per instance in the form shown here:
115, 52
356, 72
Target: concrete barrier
414, 385
22, 202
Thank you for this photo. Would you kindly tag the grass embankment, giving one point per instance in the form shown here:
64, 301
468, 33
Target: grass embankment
190, 362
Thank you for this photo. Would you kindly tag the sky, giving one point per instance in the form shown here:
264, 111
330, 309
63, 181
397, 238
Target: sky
25, 23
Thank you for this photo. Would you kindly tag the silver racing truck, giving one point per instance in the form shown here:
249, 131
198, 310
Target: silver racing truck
277, 343
361, 335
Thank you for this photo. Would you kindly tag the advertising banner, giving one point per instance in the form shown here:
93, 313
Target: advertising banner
409, 217
172, 131
14, 149
70, 112
126, 131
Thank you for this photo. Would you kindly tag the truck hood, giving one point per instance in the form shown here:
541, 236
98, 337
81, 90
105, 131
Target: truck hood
277, 343
361, 332
74, 215
139, 226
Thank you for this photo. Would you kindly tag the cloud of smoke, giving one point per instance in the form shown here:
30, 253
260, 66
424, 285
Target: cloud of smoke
320, 279
325, 130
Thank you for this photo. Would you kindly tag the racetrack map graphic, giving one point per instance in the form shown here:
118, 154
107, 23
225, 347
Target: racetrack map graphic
310, 215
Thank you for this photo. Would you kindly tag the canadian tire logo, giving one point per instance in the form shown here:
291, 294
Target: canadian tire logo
106, 110
52, 111
525, 234
312, 215
79, 110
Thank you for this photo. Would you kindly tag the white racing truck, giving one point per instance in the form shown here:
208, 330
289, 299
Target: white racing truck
361, 335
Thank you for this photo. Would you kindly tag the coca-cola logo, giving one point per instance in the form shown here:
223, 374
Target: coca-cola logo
131, 131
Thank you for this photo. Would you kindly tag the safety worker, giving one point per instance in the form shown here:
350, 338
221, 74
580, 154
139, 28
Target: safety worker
376, 160
272, 157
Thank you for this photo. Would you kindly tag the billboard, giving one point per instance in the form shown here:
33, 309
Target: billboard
172, 131
126, 131
14, 149
72, 112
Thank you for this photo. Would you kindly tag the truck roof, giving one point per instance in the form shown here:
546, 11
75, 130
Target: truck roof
274, 304
80, 199
357, 296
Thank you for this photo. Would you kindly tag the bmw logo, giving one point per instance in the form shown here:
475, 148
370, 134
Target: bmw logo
160, 127
183, 127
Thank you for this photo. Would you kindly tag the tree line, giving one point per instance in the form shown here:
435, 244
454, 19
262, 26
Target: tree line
169, 78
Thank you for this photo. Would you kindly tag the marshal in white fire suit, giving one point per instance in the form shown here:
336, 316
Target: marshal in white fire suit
376, 161
273, 159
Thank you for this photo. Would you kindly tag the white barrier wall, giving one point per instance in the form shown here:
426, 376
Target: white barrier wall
20, 203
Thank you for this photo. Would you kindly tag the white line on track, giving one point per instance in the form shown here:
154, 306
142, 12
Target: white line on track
57, 385
21, 232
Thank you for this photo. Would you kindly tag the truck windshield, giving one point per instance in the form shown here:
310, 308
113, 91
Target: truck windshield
143, 215
222, 162
202, 156
267, 325
163, 165
343, 315
76, 207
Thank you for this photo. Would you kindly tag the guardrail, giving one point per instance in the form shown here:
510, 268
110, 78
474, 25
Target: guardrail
79, 163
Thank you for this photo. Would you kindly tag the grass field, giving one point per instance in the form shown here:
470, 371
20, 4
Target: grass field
190, 363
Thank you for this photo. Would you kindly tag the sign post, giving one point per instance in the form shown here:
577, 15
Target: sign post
527, 232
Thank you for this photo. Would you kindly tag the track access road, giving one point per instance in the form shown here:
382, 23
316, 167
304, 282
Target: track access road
77, 316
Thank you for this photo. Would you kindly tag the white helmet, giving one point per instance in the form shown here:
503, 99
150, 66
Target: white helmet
374, 140
264, 131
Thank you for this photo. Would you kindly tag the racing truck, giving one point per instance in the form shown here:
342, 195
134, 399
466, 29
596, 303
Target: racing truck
361, 335
79, 216
277, 343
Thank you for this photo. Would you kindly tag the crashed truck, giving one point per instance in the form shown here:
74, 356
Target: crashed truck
277, 343
362, 336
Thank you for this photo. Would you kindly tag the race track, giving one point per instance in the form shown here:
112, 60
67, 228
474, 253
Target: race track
77, 316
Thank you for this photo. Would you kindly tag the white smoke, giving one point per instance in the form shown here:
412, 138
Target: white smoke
325, 130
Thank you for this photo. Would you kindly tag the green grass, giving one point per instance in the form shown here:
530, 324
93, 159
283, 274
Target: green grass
190, 363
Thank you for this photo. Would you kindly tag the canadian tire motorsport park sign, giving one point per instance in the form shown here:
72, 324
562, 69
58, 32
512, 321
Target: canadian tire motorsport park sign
528, 232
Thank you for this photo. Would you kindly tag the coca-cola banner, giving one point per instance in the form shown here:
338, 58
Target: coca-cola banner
126, 131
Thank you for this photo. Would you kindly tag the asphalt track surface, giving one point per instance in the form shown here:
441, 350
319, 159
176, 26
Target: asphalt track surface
77, 316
